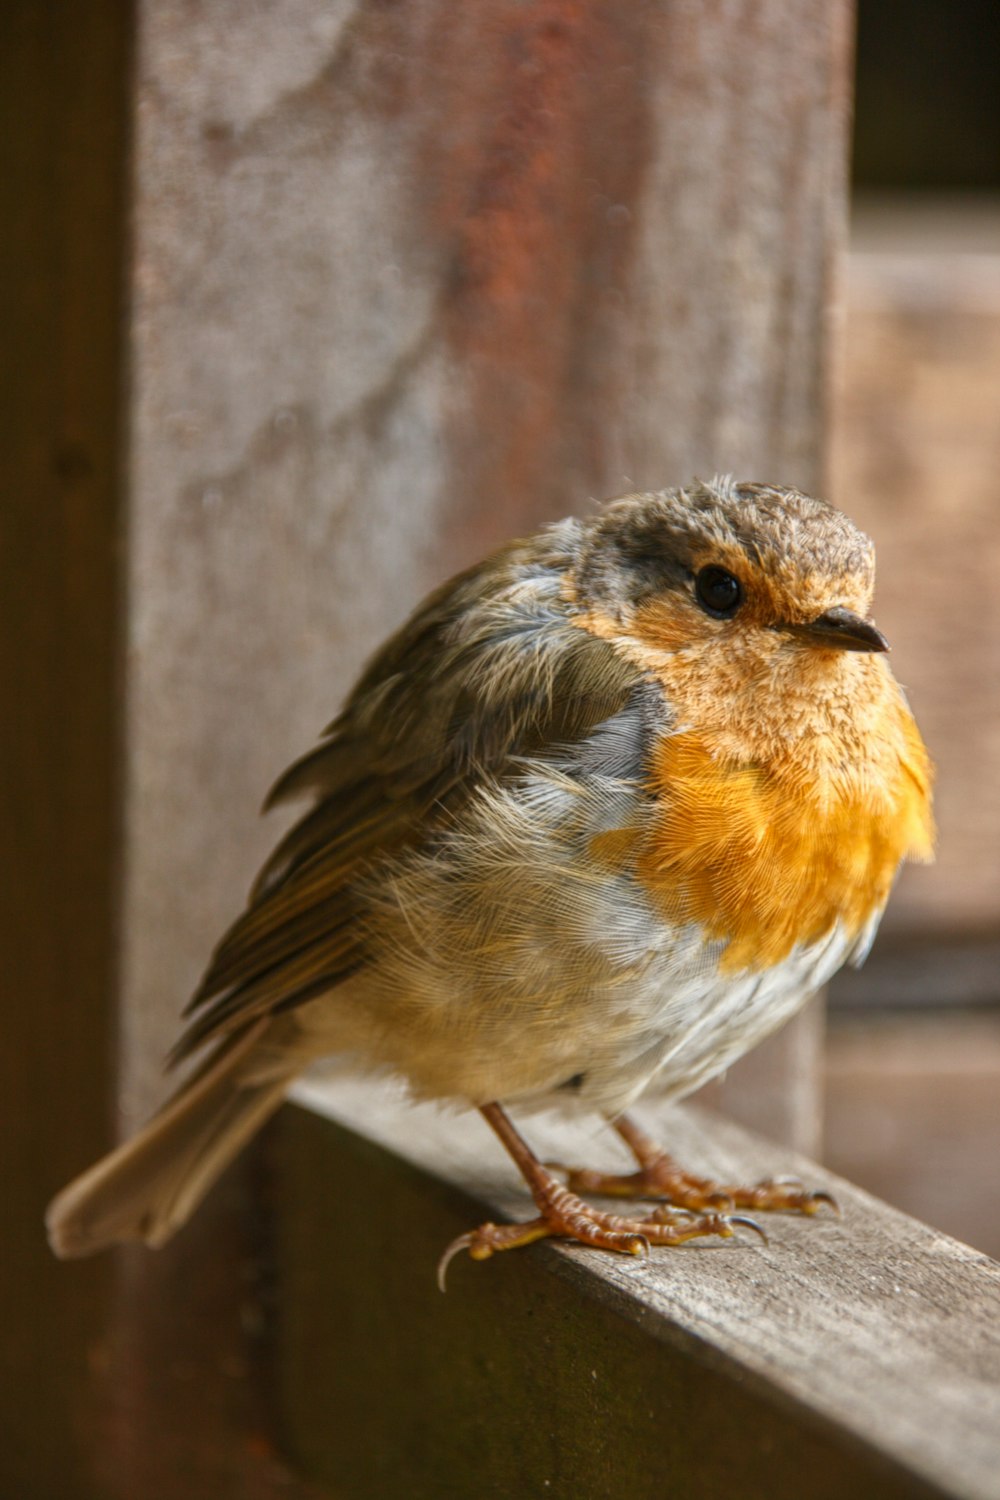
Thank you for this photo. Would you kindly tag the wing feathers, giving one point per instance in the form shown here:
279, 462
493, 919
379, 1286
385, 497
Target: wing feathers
491, 670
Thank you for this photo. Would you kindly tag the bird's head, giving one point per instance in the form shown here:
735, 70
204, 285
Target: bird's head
752, 568
750, 604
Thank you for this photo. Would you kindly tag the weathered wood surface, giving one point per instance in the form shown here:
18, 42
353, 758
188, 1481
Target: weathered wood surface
409, 280
858, 1356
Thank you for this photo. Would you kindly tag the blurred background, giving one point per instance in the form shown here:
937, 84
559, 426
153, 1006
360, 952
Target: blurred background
912, 1061
305, 306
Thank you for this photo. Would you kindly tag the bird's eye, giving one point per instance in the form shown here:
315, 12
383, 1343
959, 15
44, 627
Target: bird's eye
718, 592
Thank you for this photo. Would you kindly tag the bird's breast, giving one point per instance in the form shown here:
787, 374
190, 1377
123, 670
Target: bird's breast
767, 858
788, 789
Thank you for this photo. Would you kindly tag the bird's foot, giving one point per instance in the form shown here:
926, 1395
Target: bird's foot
664, 1179
566, 1216
782, 1195
659, 1176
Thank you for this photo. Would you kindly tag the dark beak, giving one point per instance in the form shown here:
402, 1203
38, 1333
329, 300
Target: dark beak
841, 630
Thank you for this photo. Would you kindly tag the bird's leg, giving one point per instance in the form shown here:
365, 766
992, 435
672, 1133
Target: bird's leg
659, 1176
563, 1215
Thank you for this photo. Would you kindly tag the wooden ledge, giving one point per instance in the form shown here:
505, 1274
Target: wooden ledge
853, 1357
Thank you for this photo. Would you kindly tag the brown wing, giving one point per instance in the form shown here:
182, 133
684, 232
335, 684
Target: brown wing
489, 670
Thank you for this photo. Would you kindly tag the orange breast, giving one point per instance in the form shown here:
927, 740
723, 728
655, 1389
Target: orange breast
766, 857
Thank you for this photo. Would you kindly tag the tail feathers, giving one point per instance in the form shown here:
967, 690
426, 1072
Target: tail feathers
149, 1187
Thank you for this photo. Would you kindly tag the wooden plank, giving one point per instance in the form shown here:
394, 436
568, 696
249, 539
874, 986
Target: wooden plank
855, 1356
63, 128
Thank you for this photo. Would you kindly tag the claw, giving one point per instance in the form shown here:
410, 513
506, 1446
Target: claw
778, 1195
749, 1223
464, 1242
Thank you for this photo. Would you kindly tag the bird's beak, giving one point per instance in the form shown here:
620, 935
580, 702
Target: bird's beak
841, 630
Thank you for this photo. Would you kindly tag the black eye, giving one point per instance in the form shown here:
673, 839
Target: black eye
718, 592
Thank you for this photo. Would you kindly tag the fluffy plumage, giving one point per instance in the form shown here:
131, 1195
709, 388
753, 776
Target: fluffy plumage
570, 833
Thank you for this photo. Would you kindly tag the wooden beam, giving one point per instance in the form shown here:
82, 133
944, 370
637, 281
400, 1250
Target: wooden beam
63, 143
855, 1356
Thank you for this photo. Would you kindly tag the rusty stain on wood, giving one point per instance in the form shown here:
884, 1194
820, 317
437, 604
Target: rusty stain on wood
536, 215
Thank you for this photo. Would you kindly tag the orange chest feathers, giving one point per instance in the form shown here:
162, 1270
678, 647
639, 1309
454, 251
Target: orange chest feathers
767, 856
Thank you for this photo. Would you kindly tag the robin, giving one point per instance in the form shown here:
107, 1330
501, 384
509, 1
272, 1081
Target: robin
604, 813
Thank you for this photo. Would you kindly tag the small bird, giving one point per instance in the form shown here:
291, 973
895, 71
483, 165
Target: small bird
602, 815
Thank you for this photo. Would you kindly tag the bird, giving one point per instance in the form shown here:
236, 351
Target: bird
602, 815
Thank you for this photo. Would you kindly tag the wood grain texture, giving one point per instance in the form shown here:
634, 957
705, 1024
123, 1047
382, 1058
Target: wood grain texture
856, 1356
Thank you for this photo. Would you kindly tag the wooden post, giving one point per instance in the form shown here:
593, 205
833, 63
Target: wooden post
63, 126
